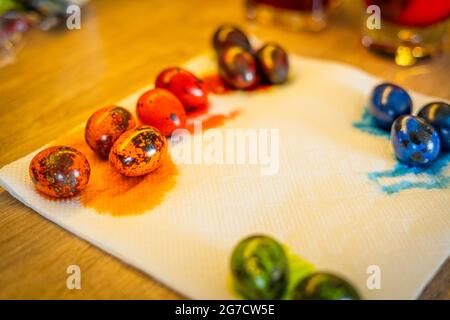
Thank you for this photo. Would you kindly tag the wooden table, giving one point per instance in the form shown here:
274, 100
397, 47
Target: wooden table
60, 78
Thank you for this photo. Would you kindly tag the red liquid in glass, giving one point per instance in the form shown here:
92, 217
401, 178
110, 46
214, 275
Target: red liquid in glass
413, 13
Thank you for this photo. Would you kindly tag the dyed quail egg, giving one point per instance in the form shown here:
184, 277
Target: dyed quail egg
387, 102
105, 126
237, 67
324, 286
138, 151
60, 171
259, 268
185, 86
438, 115
229, 35
161, 109
273, 64
415, 142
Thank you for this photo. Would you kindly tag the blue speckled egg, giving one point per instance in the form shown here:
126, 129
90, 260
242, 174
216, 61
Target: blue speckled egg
415, 142
387, 102
438, 115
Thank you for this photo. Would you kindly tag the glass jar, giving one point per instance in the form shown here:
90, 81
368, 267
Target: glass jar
310, 15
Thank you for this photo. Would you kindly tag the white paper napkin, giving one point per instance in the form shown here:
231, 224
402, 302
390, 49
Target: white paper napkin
329, 202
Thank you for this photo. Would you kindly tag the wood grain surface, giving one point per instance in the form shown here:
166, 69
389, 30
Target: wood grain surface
61, 77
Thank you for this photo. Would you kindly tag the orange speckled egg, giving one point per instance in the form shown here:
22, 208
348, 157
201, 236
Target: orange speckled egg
105, 126
161, 109
138, 151
60, 171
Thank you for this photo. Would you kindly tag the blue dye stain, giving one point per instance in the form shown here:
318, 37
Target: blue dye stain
434, 173
437, 180
367, 124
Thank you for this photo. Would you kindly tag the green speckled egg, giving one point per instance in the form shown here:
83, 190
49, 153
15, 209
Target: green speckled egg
324, 286
259, 268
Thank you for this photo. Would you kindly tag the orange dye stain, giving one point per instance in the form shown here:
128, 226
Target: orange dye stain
110, 192
259, 87
212, 121
215, 84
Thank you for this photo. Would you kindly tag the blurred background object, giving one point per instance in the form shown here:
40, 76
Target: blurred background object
307, 15
410, 29
17, 16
